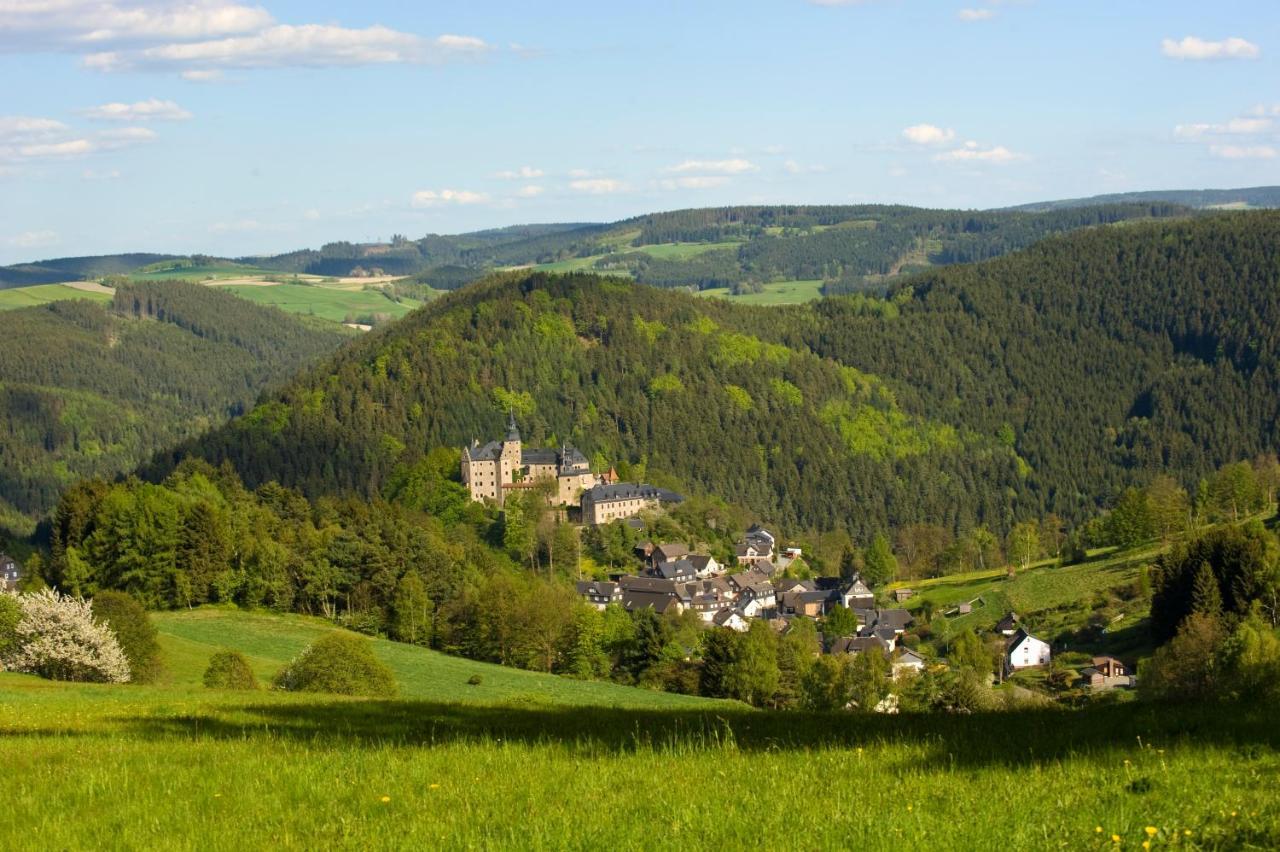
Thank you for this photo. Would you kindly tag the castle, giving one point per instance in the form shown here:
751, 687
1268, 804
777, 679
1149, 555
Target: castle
491, 471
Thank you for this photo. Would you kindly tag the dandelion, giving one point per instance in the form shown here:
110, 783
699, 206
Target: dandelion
433, 786
1151, 831
1097, 829
1187, 832
1233, 813
1115, 838
908, 807
1146, 844
386, 799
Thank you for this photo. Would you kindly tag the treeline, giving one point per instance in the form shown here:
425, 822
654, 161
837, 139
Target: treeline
88, 390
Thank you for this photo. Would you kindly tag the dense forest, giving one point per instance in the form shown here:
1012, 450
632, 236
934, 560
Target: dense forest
1042, 382
1253, 196
91, 390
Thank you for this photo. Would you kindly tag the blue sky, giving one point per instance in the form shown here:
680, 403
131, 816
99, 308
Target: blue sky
231, 128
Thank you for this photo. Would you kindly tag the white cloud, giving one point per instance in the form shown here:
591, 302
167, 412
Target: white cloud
33, 239
522, 173
530, 191
1236, 126
436, 198
1243, 152
53, 150
976, 14
796, 168
597, 186
307, 45
694, 182
928, 134
1195, 48
579, 173
152, 109
75, 25
18, 127
735, 166
201, 76
972, 152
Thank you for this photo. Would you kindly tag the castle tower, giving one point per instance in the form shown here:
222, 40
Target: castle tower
509, 460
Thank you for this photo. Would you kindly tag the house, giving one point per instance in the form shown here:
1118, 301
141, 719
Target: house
494, 470
754, 600
705, 565
731, 619
907, 662
710, 603
902, 595
681, 570
667, 553
644, 550
792, 552
1107, 673
1024, 651
1008, 625
659, 602
857, 645
746, 579
856, 595
897, 620
757, 545
809, 603
10, 572
604, 504
600, 594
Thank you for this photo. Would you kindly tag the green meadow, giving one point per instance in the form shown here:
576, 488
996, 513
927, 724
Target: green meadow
40, 294
776, 293
200, 272
331, 303
532, 761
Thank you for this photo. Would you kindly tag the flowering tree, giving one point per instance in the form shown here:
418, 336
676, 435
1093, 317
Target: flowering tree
58, 638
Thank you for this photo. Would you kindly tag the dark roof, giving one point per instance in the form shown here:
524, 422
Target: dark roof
724, 615
896, 618
700, 560
857, 644
681, 568
631, 491
489, 452
513, 434
670, 550
648, 584
658, 601
597, 588
747, 578
1009, 622
1016, 639
544, 456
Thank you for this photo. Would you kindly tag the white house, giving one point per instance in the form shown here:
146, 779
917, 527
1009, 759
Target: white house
731, 619
1024, 651
908, 662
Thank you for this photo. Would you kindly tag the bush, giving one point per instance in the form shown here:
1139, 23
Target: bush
339, 663
134, 631
475, 680
229, 670
10, 615
58, 638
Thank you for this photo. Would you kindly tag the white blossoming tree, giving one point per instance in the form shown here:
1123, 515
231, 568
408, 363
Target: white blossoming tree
58, 638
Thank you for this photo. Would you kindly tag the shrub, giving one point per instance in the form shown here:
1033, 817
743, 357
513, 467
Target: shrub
58, 638
134, 631
339, 663
475, 680
10, 615
229, 670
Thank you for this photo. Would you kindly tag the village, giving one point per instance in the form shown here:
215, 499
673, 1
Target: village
672, 579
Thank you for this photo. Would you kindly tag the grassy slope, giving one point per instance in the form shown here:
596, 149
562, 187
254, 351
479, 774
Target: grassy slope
40, 294
200, 273
173, 768
270, 641
329, 303
776, 293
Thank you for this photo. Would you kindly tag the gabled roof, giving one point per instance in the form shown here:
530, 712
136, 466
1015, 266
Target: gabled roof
680, 569
857, 644
597, 588
906, 657
898, 619
670, 550
658, 601
724, 616
631, 491
701, 560
648, 584
747, 578
489, 452
1018, 638
1009, 622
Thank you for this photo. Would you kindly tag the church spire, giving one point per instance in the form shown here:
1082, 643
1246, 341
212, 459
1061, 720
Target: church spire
513, 434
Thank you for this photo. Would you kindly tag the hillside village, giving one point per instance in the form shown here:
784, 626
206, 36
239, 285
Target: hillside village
756, 586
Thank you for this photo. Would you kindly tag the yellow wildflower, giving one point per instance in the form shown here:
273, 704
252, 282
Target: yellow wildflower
386, 799
1151, 831
433, 786
1097, 829
1115, 838
1146, 844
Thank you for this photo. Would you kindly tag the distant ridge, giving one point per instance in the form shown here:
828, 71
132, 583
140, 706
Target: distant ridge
1199, 199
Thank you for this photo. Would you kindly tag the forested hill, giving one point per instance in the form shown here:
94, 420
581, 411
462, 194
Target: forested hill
92, 390
1044, 381
1199, 199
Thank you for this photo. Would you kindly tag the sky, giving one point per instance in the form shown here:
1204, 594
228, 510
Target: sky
228, 128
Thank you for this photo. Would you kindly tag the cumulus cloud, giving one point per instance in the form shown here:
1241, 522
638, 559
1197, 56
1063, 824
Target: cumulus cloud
436, 198
597, 186
796, 168
530, 191
1195, 48
308, 45
33, 239
976, 14
1236, 126
928, 134
198, 38
152, 109
522, 173
694, 182
1243, 152
735, 166
32, 138
972, 152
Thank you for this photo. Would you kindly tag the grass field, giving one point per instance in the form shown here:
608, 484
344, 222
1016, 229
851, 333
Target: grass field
270, 641
331, 303
777, 293
40, 294
179, 767
199, 273
683, 251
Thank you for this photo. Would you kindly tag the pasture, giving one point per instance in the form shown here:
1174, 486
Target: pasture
41, 294
334, 303
776, 293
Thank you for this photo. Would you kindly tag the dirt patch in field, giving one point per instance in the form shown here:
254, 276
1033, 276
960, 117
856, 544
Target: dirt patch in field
90, 287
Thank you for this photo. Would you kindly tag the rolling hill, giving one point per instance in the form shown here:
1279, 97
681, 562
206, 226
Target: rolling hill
91, 390
976, 394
